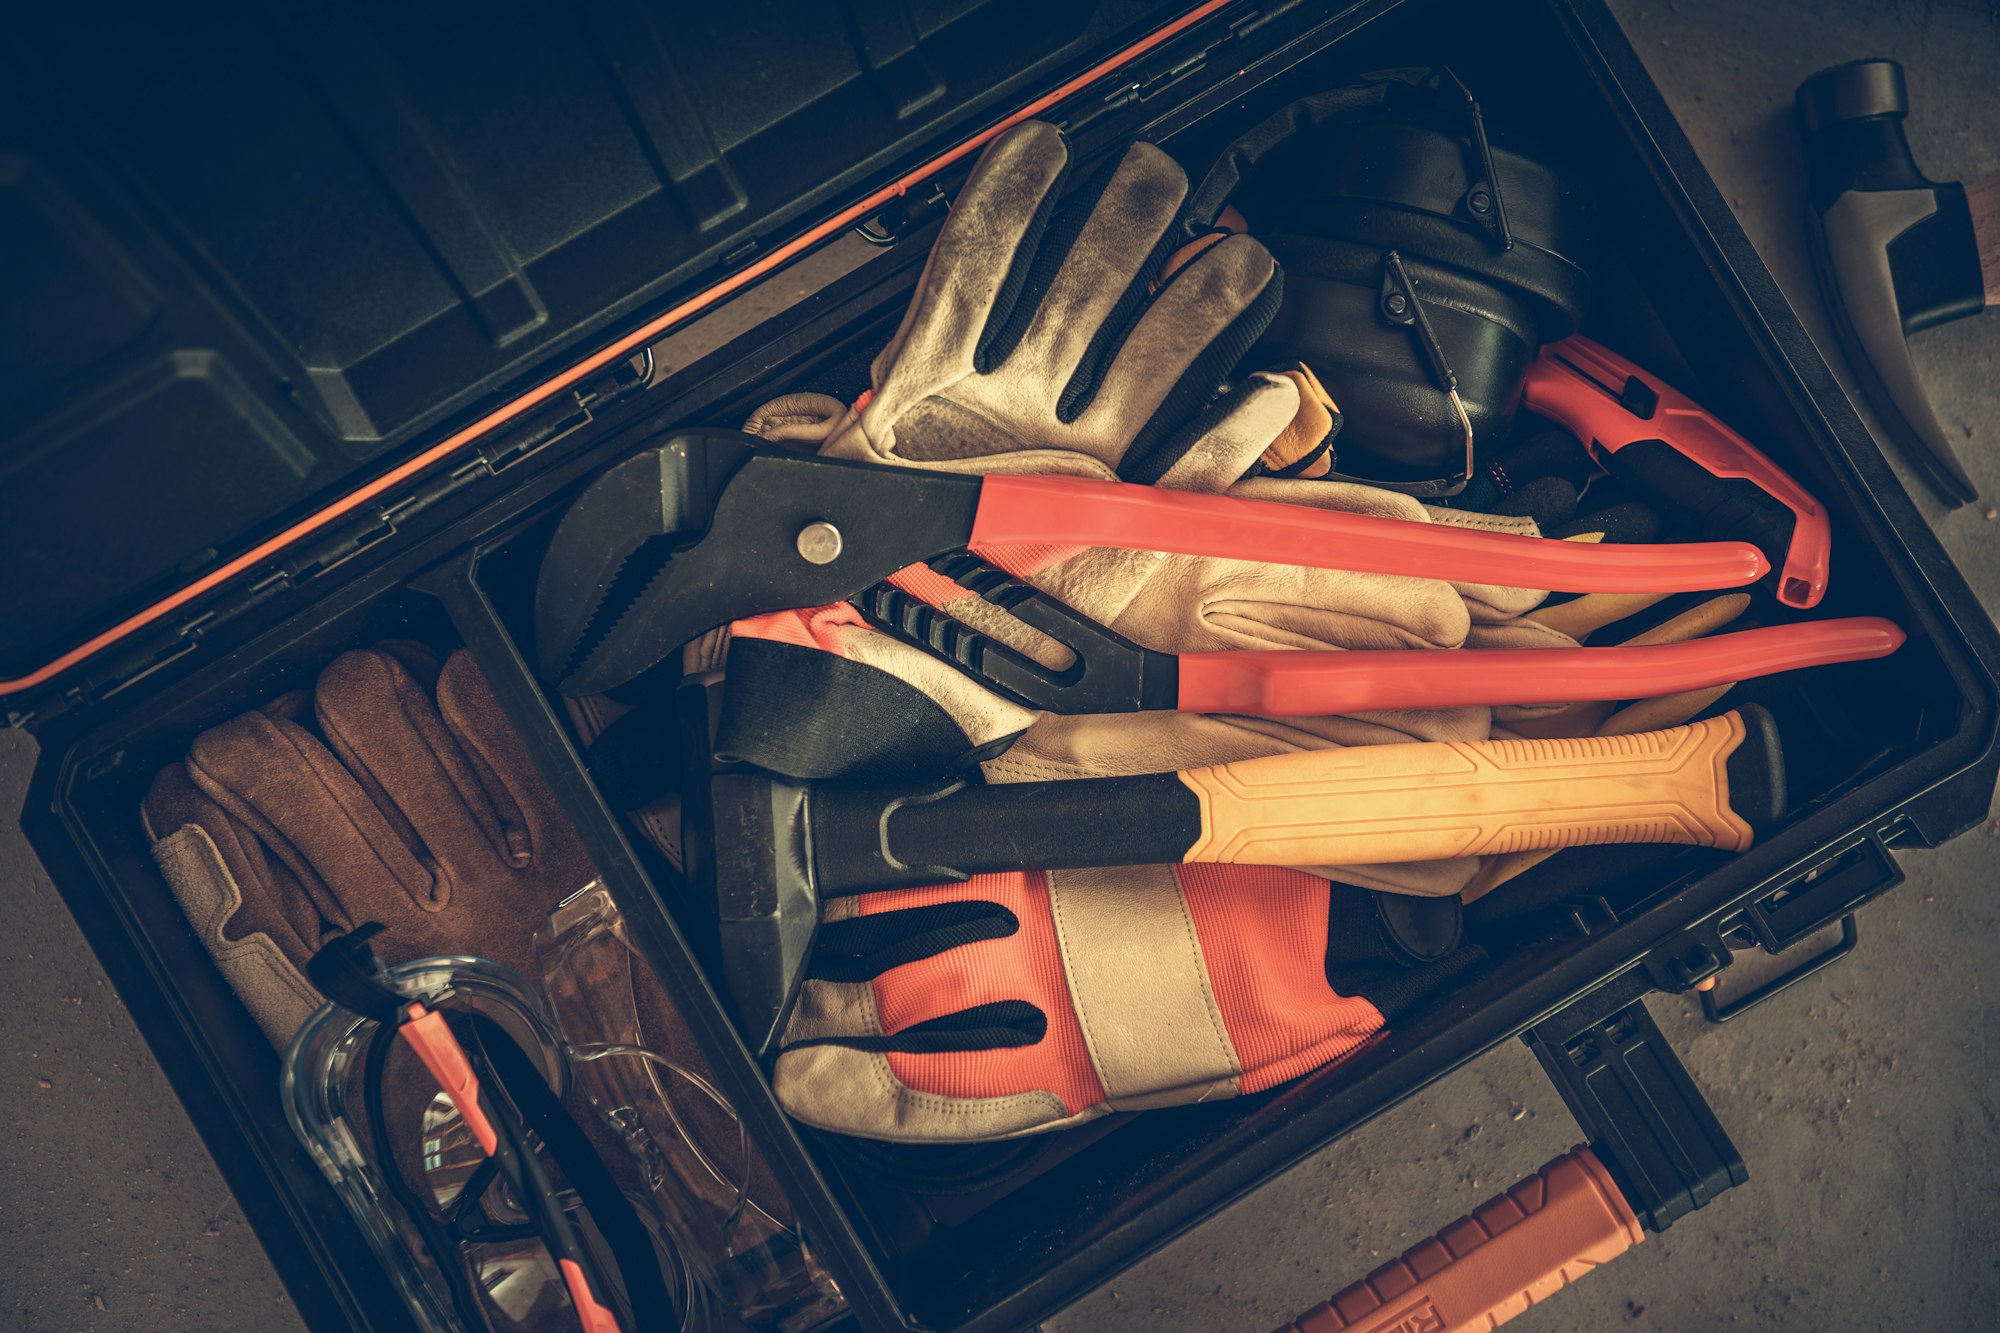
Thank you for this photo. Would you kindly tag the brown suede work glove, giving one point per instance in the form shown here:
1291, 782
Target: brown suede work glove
397, 791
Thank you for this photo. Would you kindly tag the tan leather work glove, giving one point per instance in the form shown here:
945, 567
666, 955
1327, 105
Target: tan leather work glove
396, 791
1036, 343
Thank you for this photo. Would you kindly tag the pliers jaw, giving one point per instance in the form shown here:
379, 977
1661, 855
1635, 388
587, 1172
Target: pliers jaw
742, 528
615, 543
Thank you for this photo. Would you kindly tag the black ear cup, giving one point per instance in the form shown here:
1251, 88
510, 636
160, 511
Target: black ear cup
1333, 196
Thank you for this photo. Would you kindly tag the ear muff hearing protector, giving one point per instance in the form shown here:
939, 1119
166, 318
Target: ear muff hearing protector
1423, 267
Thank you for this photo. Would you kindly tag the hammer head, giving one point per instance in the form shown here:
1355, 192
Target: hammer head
1893, 251
747, 856
746, 896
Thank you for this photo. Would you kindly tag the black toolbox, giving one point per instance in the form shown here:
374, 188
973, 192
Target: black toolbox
326, 319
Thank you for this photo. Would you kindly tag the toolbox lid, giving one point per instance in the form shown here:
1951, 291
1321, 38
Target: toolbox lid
251, 265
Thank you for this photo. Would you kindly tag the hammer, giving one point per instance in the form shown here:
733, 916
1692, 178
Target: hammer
1894, 252
763, 850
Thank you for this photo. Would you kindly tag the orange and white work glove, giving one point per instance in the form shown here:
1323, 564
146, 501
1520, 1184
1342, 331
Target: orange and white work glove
1014, 1004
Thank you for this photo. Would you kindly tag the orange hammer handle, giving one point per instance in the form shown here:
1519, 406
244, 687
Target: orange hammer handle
1420, 802
1488, 1266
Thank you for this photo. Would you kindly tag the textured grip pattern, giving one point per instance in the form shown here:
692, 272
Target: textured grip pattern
1376, 803
1490, 1265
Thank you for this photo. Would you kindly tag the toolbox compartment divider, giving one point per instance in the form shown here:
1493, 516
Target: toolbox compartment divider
660, 942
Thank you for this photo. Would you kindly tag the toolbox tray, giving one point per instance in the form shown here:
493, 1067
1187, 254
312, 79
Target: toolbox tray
1682, 292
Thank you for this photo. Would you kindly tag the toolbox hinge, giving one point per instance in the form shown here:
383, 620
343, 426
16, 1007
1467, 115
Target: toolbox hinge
568, 413
1644, 1117
904, 214
1174, 62
558, 420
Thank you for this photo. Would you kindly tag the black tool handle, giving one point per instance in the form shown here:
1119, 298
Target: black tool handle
870, 836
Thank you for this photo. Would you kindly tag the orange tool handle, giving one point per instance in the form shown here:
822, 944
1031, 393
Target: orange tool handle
431, 1038
591, 1313
1079, 511
1420, 802
1488, 1266
1305, 684
1607, 402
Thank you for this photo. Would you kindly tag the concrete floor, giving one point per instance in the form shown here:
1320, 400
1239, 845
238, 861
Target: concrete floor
1865, 1100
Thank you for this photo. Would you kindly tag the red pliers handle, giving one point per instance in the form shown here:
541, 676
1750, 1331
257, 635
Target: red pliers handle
1292, 684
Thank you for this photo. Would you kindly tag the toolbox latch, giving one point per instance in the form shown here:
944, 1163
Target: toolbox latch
1776, 920
1848, 877
1693, 956
1784, 917
1645, 1118
1718, 1010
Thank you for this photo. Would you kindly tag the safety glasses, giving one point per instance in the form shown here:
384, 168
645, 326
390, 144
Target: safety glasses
524, 1162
